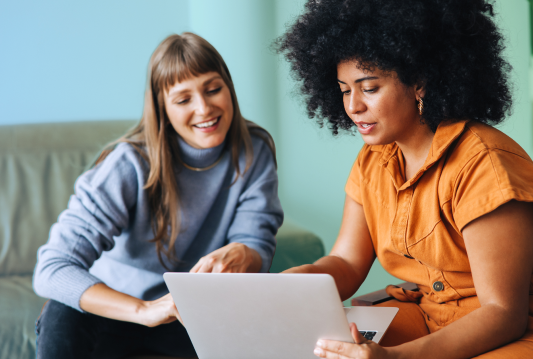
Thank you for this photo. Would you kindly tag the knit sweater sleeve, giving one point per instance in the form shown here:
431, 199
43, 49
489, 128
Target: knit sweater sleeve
259, 214
98, 211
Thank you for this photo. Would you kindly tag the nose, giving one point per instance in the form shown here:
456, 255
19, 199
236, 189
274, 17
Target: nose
203, 106
355, 104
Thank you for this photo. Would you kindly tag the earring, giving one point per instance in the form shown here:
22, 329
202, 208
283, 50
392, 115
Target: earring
420, 106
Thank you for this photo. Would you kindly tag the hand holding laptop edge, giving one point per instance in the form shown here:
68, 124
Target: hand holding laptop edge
371, 350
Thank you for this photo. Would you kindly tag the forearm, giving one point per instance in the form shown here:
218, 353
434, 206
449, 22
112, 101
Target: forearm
109, 303
480, 331
346, 278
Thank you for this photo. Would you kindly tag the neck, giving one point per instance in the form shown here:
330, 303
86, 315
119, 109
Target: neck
199, 158
415, 149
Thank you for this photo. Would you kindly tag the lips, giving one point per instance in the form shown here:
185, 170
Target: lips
365, 128
207, 124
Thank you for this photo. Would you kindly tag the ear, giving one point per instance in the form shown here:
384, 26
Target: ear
420, 90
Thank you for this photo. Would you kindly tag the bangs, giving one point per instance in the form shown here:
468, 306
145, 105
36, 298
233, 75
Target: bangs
183, 60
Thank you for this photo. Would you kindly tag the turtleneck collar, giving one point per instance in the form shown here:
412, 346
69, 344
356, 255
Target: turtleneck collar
199, 157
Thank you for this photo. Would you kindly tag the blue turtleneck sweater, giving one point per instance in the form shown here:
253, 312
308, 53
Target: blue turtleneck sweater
103, 235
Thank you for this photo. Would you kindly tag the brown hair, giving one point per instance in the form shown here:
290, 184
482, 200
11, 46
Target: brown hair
178, 58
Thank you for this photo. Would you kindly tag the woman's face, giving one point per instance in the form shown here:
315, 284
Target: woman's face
200, 109
383, 109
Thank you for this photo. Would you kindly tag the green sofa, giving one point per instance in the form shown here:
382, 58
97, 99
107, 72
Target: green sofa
38, 166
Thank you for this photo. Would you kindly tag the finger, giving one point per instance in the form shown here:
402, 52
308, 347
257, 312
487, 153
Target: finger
207, 266
333, 349
357, 337
329, 355
220, 267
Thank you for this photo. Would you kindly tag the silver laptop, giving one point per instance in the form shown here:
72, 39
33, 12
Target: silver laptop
267, 315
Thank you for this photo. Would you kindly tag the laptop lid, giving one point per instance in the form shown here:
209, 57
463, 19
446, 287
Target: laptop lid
258, 315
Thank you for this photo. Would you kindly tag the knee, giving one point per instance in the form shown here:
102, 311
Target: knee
59, 323
58, 317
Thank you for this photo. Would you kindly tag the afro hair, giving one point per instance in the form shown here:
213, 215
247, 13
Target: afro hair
452, 47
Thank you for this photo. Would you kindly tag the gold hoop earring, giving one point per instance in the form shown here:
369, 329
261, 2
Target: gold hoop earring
420, 106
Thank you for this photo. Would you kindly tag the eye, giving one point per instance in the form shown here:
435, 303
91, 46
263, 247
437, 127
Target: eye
345, 93
370, 90
182, 102
214, 91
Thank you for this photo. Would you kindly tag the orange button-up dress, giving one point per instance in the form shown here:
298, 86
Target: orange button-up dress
416, 225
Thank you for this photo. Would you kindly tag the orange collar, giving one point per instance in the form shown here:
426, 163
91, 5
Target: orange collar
446, 134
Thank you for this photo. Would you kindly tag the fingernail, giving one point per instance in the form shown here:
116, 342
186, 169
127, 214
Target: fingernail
320, 343
318, 351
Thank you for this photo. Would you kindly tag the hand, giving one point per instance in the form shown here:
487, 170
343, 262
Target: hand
362, 349
232, 258
159, 311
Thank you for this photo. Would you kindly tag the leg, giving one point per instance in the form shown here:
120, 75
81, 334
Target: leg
59, 322
170, 340
63, 332
407, 325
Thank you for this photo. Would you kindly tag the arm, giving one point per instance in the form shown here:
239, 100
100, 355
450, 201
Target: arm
98, 212
352, 255
106, 302
500, 250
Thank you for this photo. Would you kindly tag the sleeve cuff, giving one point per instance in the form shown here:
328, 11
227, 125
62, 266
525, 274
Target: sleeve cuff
266, 255
353, 191
475, 209
73, 284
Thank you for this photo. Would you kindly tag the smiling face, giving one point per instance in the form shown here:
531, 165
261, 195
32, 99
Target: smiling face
383, 109
200, 109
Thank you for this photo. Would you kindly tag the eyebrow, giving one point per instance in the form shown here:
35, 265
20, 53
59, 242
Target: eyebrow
361, 79
206, 82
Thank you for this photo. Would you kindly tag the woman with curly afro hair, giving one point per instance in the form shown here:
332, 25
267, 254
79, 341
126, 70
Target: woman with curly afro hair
437, 194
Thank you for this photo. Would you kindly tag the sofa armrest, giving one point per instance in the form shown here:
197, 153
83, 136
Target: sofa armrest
295, 246
380, 296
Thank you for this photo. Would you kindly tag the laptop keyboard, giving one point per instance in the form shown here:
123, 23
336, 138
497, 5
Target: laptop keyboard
368, 335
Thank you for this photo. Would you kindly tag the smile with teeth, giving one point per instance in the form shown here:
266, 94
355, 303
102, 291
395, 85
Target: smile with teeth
207, 123
366, 125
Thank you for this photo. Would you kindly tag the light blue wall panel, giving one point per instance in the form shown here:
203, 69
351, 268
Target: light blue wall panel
242, 31
67, 60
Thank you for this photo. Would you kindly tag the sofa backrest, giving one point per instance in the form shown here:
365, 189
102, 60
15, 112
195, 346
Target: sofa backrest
39, 164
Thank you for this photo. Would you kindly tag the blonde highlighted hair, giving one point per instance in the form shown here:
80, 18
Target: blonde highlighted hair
178, 58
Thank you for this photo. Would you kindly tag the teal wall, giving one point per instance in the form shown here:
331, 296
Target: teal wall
513, 18
66, 61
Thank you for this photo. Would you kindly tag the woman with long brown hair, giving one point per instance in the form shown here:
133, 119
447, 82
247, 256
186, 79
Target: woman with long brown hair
192, 188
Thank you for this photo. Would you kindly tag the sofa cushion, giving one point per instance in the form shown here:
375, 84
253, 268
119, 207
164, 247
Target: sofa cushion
19, 309
295, 246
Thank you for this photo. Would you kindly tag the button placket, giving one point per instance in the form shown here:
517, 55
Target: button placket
401, 220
